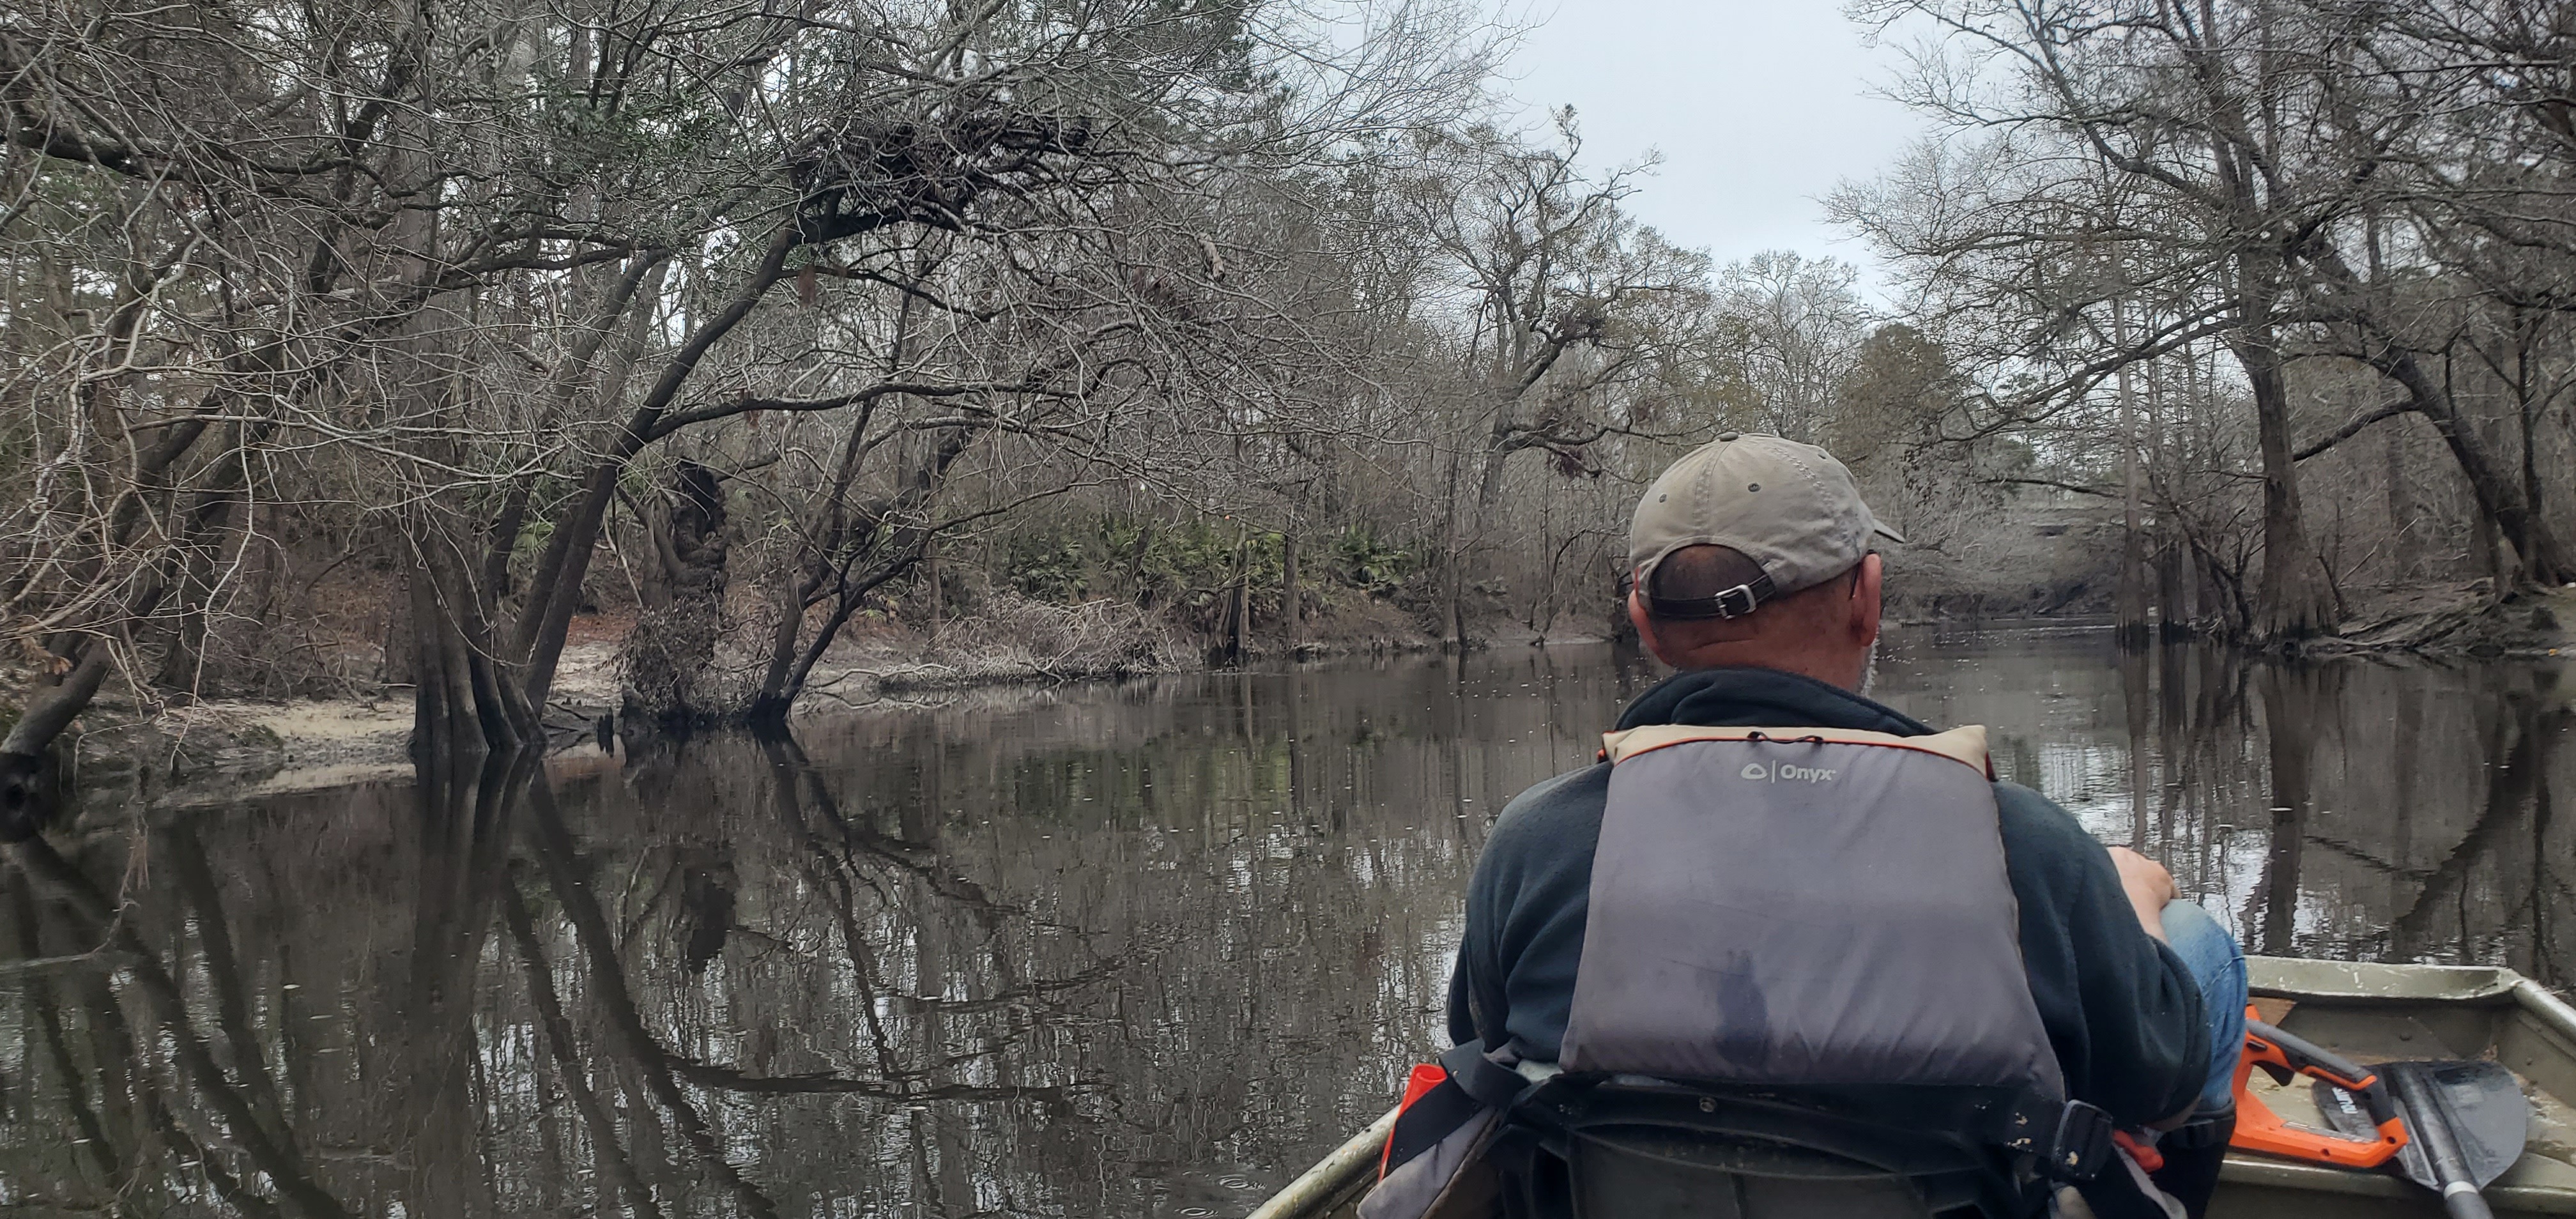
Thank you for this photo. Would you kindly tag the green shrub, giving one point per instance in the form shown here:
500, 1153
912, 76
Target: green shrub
1187, 568
1054, 568
1366, 562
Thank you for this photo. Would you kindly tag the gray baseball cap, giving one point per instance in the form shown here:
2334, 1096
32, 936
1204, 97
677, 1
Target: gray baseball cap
1790, 508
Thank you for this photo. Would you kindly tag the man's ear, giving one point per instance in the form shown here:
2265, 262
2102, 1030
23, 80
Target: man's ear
1645, 626
1866, 607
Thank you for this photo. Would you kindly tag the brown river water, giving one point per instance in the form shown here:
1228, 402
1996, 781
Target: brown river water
1138, 949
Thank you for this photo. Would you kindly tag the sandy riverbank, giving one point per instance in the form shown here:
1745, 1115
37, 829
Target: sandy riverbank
229, 749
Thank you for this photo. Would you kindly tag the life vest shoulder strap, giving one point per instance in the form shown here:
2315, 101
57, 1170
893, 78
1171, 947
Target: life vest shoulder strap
1965, 745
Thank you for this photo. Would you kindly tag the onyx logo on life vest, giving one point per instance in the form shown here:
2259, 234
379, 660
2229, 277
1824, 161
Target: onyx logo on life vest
1785, 773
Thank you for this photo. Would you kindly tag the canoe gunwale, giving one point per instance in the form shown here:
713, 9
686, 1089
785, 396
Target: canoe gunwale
1333, 1180
2550, 1010
2369, 982
2265, 1172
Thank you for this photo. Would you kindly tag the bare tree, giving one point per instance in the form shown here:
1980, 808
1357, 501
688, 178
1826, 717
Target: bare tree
458, 267
2156, 175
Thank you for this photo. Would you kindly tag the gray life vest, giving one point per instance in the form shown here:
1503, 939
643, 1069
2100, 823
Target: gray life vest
1777, 906
1804, 906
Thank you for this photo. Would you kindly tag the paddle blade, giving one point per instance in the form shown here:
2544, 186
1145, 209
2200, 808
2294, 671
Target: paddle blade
2489, 1117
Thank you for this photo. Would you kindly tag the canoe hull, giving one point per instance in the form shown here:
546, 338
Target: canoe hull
2375, 1012
2365, 1011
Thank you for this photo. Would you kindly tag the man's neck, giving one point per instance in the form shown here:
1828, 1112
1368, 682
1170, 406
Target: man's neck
1763, 697
1841, 672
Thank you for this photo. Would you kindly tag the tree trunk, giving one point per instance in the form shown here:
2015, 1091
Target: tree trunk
831, 526
2132, 605
554, 593
396, 666
2173, 587
1453, 617
2175, 612
184, 650
2527, 412
897, 531
2295, 601
664, 663
1494, 462
2401, 509
1489, 480
1238, 617
930, 577
444, 722
1292, 600
1136, 563
29, 794
2483, 547
769, 705
2544, 558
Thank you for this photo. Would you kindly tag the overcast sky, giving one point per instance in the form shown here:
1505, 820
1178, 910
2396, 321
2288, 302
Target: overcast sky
1759, 107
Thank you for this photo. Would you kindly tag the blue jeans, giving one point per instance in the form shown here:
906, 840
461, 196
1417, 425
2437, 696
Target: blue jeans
2219, 966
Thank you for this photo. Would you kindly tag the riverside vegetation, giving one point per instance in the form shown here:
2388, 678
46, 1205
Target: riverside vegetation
399, 346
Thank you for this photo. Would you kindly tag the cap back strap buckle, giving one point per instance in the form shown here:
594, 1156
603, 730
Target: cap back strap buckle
1751, 602
1734, 602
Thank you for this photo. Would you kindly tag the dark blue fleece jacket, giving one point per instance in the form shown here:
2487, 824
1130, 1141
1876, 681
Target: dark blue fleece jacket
2121, 1010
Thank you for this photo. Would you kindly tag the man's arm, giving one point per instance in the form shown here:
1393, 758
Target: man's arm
2121, 1009
1526, 909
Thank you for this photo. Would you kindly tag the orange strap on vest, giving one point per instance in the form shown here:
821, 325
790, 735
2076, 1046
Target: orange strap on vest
1425, 1077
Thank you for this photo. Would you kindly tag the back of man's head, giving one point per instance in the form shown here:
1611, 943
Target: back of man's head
1754, 551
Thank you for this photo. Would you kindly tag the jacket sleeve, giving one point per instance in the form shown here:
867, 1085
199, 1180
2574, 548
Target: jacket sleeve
1462, 1013
2121, 1009
1526, 908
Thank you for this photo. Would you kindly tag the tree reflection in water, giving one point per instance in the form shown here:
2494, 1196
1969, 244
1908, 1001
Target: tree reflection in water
1128, 950
2358, 808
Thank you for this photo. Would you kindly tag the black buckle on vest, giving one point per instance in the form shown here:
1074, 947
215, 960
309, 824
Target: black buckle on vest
2081, 1145
1490, 1082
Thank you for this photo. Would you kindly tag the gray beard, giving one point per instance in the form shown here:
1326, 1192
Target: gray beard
1869, 672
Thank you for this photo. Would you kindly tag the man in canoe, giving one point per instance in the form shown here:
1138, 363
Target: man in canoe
1772, 880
